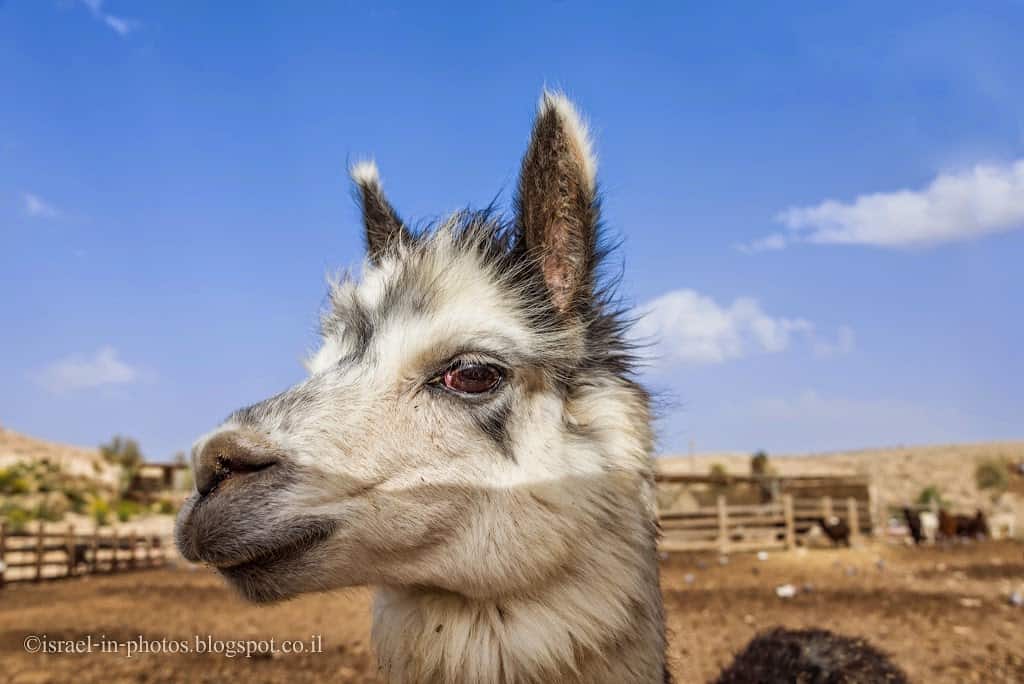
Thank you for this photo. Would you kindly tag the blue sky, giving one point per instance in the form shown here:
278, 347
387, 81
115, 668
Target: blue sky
821, 207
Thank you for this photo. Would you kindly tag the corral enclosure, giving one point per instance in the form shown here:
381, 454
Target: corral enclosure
942, 612
747, 513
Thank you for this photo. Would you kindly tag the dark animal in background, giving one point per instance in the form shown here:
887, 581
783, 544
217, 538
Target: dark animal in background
947, 525
79, 557
963, 526
977, 527
914, 523
836, 529
814, 656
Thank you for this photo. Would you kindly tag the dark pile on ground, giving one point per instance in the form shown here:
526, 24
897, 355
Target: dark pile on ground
942, 613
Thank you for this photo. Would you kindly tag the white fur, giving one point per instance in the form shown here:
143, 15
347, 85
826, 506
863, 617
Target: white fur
365, 172
929, 525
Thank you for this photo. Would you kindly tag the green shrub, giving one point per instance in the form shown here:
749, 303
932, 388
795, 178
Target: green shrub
99, 509
52, 507
77, 499
7, 477
17, 517
928, 495
126, 510
165, 507
22, 485
992, 474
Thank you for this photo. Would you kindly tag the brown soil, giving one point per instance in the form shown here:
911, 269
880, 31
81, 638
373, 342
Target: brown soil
941, 612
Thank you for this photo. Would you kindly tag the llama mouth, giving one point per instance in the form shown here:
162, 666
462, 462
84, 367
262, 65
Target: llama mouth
302, 543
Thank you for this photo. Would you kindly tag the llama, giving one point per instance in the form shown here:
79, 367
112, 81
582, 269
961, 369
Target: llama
960, 526
914, 524
470, 441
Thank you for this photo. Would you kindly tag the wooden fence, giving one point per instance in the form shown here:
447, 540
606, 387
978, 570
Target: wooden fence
41, 554
778, 525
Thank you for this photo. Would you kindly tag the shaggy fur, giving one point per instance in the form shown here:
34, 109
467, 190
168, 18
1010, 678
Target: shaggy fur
511, 535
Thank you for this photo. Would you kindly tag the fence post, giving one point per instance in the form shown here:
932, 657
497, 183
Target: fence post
723, 525
132, 542
114, 543
94, 560
3, 549
853, 519
826, 507
40, 541
787, 512
69, 549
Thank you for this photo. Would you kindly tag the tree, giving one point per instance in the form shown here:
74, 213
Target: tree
759, 464
125, 453
122, 451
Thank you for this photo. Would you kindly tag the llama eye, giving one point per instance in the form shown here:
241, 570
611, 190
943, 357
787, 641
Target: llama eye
473, 378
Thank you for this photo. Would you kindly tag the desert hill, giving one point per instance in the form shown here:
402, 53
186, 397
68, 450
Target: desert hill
898, 473
74, 461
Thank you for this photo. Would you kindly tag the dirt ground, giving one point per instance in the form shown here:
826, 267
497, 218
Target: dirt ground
942, 613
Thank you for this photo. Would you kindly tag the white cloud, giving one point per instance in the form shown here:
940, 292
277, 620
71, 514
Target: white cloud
119, 25
844, 343
688, 327
37, 207
986, 199
766, 244
78, 372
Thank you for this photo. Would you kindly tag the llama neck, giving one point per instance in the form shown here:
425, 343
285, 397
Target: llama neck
600, 621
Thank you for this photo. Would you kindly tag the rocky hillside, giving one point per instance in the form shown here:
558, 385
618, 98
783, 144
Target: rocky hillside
73, 461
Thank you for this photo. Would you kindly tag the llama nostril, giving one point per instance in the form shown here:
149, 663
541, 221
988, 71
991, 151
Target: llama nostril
227, 454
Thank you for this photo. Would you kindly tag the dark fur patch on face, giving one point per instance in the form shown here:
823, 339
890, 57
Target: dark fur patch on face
493, 422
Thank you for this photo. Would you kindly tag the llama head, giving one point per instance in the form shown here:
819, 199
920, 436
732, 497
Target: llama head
469, 420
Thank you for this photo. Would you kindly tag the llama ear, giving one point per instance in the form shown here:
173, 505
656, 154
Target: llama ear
383, 226
557, 207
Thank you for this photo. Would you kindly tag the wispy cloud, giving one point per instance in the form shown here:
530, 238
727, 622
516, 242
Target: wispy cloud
686, 327
81, 372
986, 199
766, 244
37, 207
844, 343
120, 25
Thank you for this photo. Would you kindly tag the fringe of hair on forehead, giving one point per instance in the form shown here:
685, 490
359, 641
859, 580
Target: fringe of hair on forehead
600, 335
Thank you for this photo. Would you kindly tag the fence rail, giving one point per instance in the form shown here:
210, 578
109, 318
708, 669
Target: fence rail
46, 554
778, 525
